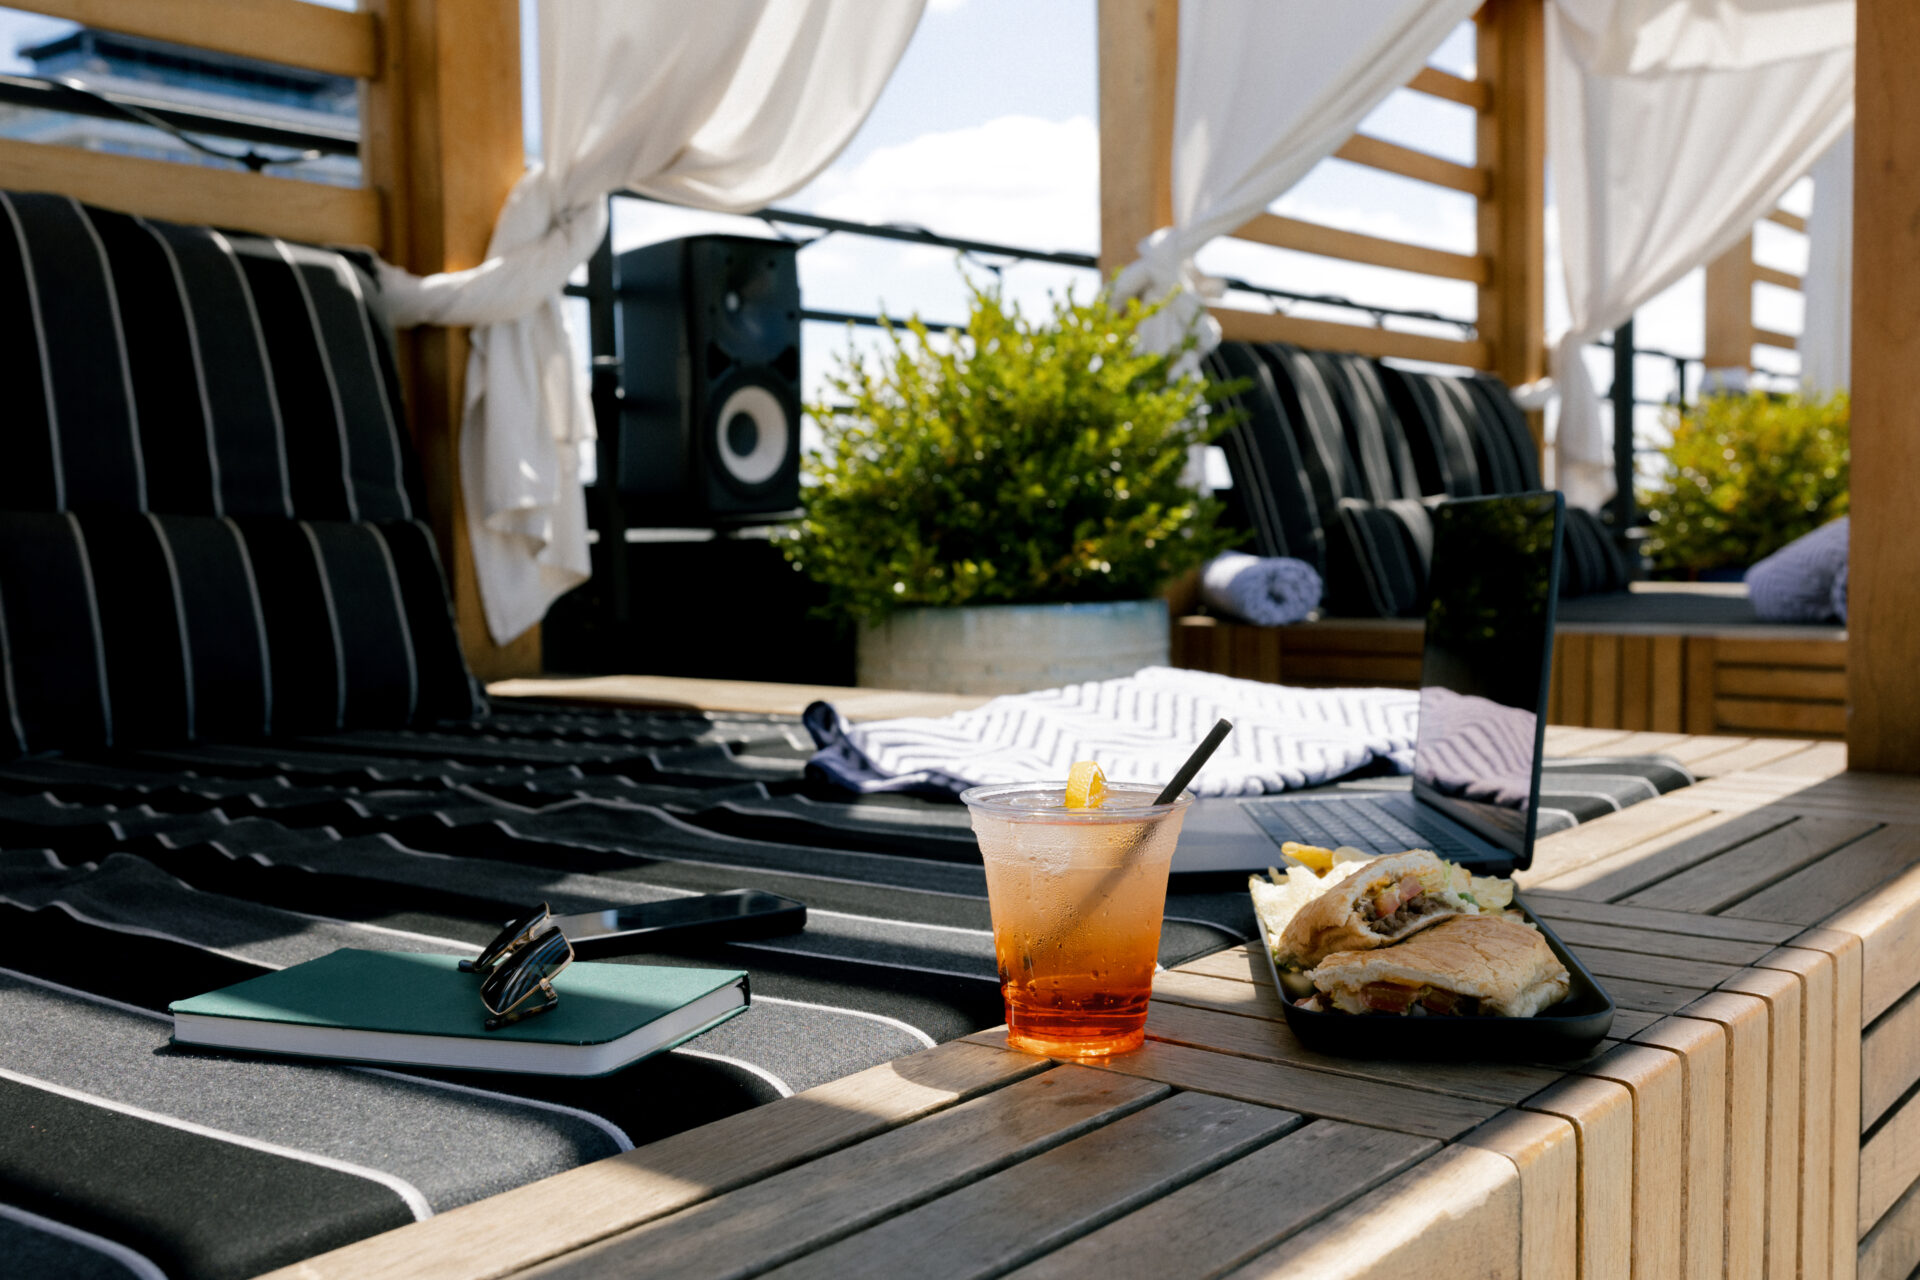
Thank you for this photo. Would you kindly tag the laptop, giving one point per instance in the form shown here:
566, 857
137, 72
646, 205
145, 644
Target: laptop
1485, 665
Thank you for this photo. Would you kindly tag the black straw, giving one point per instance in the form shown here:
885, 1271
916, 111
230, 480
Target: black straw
1208, 745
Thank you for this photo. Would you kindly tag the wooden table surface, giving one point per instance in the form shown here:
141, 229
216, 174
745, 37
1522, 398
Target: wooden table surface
1737, 1123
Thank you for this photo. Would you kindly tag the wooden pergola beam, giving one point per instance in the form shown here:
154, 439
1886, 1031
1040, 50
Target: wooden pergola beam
1883, 633
340, 42
1139, 49
1729, 308
1511, 142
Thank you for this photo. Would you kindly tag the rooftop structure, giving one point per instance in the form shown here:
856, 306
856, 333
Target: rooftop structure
239, 725
158, 74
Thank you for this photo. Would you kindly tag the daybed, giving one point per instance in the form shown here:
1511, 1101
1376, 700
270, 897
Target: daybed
236, 732
1334, 457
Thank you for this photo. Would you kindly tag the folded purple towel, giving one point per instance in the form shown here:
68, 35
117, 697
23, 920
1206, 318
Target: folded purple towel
1797, 582
1268, 591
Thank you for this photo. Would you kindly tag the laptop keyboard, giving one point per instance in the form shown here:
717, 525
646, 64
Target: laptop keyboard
1364, 822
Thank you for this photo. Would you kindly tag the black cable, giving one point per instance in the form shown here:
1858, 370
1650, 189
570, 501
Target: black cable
253, 160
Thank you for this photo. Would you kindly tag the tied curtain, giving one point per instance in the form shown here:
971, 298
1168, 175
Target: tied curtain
1672, 127
1266, 89
1826, 337
719, 104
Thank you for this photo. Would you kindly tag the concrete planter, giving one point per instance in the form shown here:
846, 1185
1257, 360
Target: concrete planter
1012, 648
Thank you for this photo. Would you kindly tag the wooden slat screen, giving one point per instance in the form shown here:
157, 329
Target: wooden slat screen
1505, 213
290, 32
315, 38
1731, 332
175, 192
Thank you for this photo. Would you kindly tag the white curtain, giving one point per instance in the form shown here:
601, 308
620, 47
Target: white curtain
722, 104
1266, 90
1826, 339
1673, 125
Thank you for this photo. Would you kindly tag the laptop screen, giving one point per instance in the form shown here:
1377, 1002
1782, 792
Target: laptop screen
1488, 656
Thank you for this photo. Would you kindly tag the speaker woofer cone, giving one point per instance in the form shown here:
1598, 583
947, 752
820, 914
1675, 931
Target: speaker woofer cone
752, 437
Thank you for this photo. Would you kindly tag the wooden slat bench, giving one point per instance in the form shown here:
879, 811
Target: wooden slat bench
1745, 680
1752, 1113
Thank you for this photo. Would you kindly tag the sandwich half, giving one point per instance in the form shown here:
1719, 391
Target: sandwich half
1382, 901
1463, 967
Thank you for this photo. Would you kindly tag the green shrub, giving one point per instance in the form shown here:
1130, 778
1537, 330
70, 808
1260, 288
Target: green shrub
1031, 462
1748, 474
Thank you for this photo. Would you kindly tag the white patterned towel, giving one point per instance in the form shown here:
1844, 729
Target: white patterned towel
1139, 728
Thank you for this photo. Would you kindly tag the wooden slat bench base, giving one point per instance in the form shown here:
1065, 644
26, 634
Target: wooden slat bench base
1746, 681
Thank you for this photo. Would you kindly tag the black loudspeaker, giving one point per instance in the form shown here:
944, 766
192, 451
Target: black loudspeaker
710, 381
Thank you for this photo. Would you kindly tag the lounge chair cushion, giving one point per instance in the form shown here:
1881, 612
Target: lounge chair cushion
1591, 562
132, 628
1383, 463
1378, 555
1319, 432
1270, 481
1502, 421
208, 518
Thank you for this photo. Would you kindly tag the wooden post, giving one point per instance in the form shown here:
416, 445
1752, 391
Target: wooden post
1512, 147
1883, 631
1139, 74
1139, 68
1729, 338
443, 147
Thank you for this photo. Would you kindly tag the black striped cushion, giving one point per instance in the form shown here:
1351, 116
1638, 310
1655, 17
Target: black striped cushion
155, 367
1383, 462
1502, 421
1318, 432
1273, 495
207, 519
1438, 432
1592, 562
132, 628
1378, 556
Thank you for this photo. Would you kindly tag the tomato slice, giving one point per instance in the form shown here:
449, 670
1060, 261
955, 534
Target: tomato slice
1387, 997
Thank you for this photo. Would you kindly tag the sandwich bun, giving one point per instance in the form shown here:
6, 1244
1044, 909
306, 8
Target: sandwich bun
1334, 922
1504, 964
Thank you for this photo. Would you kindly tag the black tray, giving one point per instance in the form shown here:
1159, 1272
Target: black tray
1570, 1029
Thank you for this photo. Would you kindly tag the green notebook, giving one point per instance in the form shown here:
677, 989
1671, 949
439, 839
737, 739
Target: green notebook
405, 1007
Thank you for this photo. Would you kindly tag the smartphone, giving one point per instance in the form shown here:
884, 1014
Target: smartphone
711, 917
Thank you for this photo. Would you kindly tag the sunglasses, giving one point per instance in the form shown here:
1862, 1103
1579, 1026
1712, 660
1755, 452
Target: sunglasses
519, 963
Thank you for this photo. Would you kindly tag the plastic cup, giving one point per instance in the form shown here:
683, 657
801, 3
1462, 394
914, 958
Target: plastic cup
1077, 896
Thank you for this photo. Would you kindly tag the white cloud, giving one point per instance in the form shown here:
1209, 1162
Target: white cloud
1021, 179
1013, 180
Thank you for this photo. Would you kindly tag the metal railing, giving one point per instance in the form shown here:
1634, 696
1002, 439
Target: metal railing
189, 124
1623, 511
981, 251
186, 125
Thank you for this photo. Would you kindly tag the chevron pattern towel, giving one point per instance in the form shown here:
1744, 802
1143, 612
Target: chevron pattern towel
1139, 728
1476, 748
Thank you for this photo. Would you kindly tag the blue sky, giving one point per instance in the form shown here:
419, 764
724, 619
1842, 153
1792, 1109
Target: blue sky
988, 129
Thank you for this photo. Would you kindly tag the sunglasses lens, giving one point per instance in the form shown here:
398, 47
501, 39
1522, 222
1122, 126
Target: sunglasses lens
509, 937
513, 981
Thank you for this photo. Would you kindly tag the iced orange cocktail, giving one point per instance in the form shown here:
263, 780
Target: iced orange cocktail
1076, 896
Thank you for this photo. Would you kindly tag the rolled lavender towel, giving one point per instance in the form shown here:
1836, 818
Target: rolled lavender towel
1269, 591
1796, 583
1840, 592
